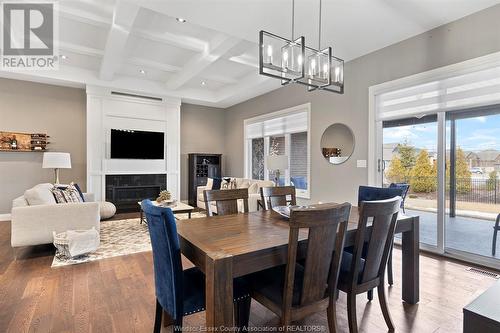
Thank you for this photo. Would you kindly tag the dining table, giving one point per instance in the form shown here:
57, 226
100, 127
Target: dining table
230, 246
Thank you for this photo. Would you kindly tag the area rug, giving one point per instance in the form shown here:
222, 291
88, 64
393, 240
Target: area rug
119, 238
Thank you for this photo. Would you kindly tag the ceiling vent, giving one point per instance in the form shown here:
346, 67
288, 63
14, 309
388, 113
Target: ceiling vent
159, 99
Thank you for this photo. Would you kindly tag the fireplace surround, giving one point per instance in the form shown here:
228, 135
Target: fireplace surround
126, 190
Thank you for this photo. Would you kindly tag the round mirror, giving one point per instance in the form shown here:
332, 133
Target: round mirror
337, 143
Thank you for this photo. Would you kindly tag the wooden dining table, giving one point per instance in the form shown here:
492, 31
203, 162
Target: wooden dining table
225, 247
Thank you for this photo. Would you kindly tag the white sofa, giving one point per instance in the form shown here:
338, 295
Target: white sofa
253, 186
36, 215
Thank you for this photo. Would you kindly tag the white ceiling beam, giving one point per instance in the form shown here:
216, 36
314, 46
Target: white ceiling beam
219, 46
220, 79
184, 42
80, 49
84, 17
153, 65
123, 19
246, 60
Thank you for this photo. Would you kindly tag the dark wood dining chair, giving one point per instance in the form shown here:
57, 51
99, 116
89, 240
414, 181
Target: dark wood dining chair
294, 291
226, 201
370, 193
277, 196
181, 292
360, 273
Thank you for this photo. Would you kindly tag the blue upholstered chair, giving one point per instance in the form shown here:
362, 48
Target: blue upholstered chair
370, 193
404, 187
181, 292
300, 182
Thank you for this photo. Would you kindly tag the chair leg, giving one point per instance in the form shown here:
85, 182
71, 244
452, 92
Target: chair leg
242, 313
494, 244
390, 277
178, 325
351, 312
384, 307
331, 312
158, 316
369, 295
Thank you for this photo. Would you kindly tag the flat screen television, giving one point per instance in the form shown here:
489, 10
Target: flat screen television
132, 144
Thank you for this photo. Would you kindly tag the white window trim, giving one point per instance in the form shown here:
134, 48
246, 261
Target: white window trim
305, 194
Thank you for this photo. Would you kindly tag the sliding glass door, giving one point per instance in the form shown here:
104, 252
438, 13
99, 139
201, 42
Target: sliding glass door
472, 184
458, 212
409, 156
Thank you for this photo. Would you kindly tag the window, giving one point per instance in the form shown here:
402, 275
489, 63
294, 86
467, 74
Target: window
282, 133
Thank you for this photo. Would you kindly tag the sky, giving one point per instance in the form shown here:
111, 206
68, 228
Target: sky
473, 134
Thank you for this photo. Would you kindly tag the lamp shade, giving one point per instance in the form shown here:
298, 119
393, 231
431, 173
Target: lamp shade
56, 161
277, 162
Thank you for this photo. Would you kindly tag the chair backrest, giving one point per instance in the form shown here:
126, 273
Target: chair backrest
327, 225
383, 215
405, 187
226, 201
166, 257
370, 193
277, 196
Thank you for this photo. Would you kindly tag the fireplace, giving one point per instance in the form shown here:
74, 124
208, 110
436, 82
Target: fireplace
126, 190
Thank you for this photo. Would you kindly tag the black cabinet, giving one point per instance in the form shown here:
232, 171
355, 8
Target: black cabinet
201, 167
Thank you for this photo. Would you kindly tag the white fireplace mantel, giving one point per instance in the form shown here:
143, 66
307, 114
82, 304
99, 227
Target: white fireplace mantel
107, 109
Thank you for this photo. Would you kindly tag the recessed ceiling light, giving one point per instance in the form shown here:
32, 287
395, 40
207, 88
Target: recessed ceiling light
63, 57
203, 83
181, 20
142, 71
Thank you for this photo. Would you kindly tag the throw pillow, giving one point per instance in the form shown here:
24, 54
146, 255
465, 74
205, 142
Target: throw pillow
58, 195
40, 195
79, 190
217, 184
228, 183
71, 194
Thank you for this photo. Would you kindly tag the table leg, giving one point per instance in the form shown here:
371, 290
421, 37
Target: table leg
189, 214
141, 215
411, 262
219, 293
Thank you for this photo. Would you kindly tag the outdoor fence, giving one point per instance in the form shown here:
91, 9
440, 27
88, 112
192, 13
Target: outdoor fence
467, 189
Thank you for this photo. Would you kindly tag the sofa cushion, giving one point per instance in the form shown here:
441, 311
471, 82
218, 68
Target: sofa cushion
40, 195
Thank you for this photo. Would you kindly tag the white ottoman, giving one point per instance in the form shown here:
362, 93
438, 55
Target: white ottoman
106, 209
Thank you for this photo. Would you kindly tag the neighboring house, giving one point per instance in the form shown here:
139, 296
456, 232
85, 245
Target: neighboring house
488, 159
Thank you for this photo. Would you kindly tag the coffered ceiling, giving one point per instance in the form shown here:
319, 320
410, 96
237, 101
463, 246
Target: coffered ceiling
211, 59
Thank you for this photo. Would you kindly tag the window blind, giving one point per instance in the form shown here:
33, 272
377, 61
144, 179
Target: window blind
473, 89
291, 123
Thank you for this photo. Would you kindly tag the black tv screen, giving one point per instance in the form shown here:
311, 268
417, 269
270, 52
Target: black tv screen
131, 144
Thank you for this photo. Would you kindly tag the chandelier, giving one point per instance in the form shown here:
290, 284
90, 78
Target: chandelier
291, 61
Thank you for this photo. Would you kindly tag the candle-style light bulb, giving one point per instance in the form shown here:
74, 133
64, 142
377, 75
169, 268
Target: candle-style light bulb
312, 71
325, 71
337, 74
270, 54
285, 59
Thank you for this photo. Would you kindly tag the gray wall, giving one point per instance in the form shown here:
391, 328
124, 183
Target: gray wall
467, 38
34, 107
202, 131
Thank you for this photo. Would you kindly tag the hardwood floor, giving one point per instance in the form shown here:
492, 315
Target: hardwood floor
117, 295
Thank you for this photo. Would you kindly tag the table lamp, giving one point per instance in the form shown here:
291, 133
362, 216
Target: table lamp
56, 161
277, 163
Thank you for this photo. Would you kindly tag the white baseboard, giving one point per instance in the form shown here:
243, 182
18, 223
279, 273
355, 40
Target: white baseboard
4, 217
